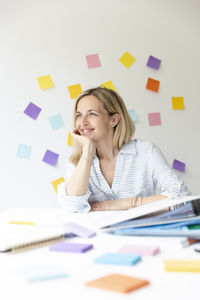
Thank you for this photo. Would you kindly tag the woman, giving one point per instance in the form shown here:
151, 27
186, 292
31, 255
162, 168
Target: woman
109, 170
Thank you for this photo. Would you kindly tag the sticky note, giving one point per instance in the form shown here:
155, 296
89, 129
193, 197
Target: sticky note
74, 90
56, 182
178, 165
177, 103
133, 115
127, 59
153, 84
118, 283
50, 157
42, 272
69, 139
70, 247
109, 85
56, 121
93, 61
182, 265
118, 259
32, 110
154, 119
78, 230
45, 82
24, 151
153, 62
140, 249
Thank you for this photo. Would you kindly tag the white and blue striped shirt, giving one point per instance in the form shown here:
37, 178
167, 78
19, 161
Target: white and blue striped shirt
140, 169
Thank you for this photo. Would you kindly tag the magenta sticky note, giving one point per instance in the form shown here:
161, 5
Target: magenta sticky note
70, 247
179, 165
154, 119
32, 110
93, 61
140, 249
50, 157
153, 62
78, 230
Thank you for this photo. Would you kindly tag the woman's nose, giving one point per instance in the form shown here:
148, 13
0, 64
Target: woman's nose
84, 120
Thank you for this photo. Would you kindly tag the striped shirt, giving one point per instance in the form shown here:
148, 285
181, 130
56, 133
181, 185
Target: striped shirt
140, 170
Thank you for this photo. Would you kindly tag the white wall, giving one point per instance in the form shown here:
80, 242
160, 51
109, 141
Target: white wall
53, 37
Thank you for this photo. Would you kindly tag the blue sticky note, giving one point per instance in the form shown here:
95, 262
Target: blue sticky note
118, 259
133, 115
24, 151
42, 272
56, 122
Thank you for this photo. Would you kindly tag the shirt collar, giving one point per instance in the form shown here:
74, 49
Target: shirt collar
130, 147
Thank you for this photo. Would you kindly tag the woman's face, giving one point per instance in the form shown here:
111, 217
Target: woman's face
92, 120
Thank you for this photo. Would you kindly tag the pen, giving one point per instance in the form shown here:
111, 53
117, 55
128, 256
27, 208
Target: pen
21, 222
188, 241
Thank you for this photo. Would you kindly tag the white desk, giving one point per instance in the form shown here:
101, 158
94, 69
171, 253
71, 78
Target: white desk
81, 268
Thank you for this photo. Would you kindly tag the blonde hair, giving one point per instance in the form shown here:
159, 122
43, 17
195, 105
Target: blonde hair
113, 103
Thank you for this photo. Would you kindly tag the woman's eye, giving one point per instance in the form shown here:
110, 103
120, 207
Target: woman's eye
78, 116
92, 114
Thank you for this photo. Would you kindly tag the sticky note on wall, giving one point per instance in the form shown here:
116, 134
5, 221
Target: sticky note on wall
50, 157
127, 59
32, 110
177, 103
133, 115
70, 139
56, 121
178, 165
56, 182
93, 61
153, 84
153, 62
154, 119
45, 82
74, 90
109, 85
24, 151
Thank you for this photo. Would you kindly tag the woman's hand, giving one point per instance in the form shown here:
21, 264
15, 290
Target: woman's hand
87, 144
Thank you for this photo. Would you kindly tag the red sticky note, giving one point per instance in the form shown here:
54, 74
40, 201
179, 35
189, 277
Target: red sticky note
153, 84
154, 119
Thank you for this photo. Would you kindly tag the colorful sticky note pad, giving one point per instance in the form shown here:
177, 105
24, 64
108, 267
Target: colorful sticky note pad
78, 230
127, 59
56, 182
153, 84
93, 61
153, 62
42, 272
45, 82
178, 165
139, 249
74, 90
70, 247
109, 85
182, 265
50, 157
154, 119
118, 283
24, 151
69, 139
32, 110
118, 259
56, 122
177, 103
133, 115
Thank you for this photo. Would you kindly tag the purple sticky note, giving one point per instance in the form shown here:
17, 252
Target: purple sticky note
154, 119
79, 230
32, 110
139, 249
153, 62
178, 165
50, 157
70, 247
93, 61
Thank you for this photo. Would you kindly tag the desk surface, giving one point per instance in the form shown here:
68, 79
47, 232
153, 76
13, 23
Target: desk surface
81, 268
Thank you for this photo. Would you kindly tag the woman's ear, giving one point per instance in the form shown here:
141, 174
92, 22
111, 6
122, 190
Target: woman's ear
115, 119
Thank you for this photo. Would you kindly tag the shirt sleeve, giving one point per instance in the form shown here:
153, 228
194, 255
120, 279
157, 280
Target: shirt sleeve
72, 203
165, 178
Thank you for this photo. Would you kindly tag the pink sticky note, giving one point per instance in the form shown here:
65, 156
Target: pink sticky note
154, 119
93, 61
139, 249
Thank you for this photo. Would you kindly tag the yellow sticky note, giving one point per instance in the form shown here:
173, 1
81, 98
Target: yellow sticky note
109, 85
127, 59
45, 82
177, 103
56, 182
70, 139
182, 265
74, 90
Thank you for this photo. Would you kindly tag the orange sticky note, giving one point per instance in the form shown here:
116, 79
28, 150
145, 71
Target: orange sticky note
109, 85
177, 103
153, 84
118, 283
70, 139
127, 59
45, 82
74, 90
56, 182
